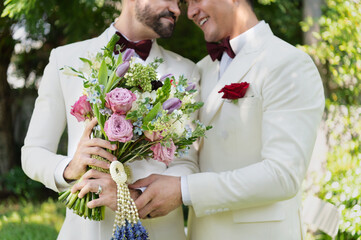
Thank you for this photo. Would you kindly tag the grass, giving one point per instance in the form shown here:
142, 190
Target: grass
30, 221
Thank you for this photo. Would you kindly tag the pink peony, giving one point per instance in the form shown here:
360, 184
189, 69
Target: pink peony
153, 135
162, 153
118, 128
120, 100
81, 109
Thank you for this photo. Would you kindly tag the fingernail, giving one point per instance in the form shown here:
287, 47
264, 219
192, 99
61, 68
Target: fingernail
115, 159
114, 146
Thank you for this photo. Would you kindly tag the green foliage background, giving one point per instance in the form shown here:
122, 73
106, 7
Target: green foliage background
337, 54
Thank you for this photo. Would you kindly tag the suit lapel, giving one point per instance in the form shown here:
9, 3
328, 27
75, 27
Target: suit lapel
235, 72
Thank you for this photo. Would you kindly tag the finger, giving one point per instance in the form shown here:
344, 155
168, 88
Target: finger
89, 127
96, 203
94, 174
95, 162
143, 200
144, 182
78, 186
89, 187
97, 142
102, 153
146, 211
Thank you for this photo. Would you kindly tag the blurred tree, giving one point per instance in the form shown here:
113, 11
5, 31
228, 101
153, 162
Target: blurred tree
338, 49
7, 43
283, 16
50, 23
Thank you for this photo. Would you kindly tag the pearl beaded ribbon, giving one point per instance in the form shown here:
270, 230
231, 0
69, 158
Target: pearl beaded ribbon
127, 224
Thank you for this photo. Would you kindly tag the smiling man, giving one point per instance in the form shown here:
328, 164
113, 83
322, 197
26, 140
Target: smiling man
139, 24
264, 99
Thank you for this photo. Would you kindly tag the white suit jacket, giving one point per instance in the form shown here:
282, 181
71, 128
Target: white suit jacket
254, 159
57, 93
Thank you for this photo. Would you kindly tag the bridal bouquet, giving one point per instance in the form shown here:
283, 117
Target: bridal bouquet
144, 116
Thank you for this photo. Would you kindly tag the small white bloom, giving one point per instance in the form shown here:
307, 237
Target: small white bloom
108, 60
178, 128
69, 72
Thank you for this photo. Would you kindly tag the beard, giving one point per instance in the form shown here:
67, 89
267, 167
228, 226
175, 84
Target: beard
149, 18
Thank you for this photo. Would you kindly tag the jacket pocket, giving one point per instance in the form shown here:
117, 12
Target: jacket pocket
267, 213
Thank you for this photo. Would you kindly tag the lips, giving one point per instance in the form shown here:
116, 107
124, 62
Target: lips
202, 21
170, 19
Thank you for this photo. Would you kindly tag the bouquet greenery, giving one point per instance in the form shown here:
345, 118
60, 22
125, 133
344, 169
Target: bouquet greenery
144, 116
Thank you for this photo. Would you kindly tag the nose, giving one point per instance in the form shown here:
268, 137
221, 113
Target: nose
192, 10
174, 8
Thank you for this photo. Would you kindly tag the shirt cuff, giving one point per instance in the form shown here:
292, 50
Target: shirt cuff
60, 182
186, 198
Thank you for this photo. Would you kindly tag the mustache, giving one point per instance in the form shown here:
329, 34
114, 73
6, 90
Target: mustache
167, 13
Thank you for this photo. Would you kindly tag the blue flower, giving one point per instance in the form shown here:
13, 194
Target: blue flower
93, 81
93, 99
189, 132
149, 106
105, 111
138, 123
200, 124
138, 131
180, 88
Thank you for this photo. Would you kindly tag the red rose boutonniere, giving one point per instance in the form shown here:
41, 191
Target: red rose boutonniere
234, 91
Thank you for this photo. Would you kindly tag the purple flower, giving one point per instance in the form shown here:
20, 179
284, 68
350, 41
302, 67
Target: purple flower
122, 69
172, 104
118, 128
120, 100
191, 86
164, 77
128, 54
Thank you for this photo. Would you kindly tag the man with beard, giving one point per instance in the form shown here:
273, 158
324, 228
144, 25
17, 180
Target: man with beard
139, 24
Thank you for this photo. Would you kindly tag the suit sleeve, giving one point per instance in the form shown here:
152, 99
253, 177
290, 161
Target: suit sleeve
293, 103
189, 163
39, 158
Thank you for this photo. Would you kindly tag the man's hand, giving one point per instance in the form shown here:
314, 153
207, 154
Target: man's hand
91, 181
163, 195
82, 157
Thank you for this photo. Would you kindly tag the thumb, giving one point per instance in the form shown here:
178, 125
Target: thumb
144, 182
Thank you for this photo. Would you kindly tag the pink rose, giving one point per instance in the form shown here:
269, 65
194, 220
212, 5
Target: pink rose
162, 153
118, 128
153, 135
120, 100
82, 109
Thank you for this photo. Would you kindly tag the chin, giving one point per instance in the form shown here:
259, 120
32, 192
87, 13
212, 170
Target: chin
212, 38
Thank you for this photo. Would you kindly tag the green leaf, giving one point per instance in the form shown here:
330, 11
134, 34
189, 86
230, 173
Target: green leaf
151, 115
111, 44
103, 74
86, 61
163, 92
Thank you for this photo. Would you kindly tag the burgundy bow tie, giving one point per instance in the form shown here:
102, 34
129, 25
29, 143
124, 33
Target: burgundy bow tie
142, 48
216, 50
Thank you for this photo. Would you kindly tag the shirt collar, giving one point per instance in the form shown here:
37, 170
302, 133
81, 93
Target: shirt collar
238, 42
